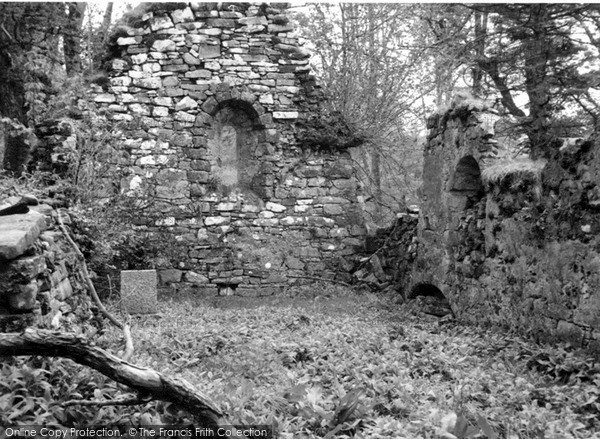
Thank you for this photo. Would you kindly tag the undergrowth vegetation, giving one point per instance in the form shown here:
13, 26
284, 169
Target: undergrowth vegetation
336, 365
520, 169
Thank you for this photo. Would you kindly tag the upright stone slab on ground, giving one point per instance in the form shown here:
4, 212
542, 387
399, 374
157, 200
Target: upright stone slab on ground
138, 291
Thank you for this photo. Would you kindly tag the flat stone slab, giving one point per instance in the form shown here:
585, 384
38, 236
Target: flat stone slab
138, 291
19, 232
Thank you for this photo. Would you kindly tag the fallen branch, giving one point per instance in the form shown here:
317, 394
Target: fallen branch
147, 382
128, 340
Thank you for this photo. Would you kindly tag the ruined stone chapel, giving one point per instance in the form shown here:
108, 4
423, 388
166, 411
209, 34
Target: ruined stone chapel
213, 97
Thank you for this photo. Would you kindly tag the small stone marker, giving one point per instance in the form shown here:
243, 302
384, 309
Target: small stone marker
138, 291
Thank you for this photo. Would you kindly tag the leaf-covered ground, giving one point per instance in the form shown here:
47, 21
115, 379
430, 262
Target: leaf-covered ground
356, 366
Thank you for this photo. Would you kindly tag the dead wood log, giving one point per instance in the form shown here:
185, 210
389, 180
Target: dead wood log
147, 382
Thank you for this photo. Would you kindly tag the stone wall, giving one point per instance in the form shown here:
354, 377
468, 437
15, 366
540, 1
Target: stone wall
389, 256
213, 98
40, 280
521, 250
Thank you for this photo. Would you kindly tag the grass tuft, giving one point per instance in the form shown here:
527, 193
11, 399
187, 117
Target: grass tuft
520, 169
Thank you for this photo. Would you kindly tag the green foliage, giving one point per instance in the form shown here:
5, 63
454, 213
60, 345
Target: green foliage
341, 366
33, 390
564, 366
37, 391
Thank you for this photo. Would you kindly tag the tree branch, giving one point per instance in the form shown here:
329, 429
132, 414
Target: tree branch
84, 271
490, 66
147, 382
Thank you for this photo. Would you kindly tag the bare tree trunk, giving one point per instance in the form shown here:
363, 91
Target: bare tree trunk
72, 36
146, 382
490, 66
373, 95
106, 21
480, 33
536, 71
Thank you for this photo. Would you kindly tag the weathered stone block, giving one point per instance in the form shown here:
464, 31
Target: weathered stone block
333, 209
105, 98
160, 112
186, 104
245, 21
176, 68
138, 291
164, 46
159, 23
18, 233
275, 207
198, 176
251, 29
59, 274
126, 41
150, 83
200, 165
163, 101
221, 22
226, 207
200, 74
206, 51
170, 276
226, 290
294, 263
191, 59
182, 116
24, 299
266, 222
27, 267
247, 292
63, 290
285, 115
182, 15
212, 31
277, 28
196, 278
216, 220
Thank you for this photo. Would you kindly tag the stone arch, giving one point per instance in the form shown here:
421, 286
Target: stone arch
425, 289
430, 299
240, 105
466, 185
234, 144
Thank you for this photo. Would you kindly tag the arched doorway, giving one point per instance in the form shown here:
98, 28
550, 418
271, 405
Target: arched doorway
429, 299
426, 289
466, 186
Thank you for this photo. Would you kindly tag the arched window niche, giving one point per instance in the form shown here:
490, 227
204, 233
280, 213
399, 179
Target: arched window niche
235, 147
466, 186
